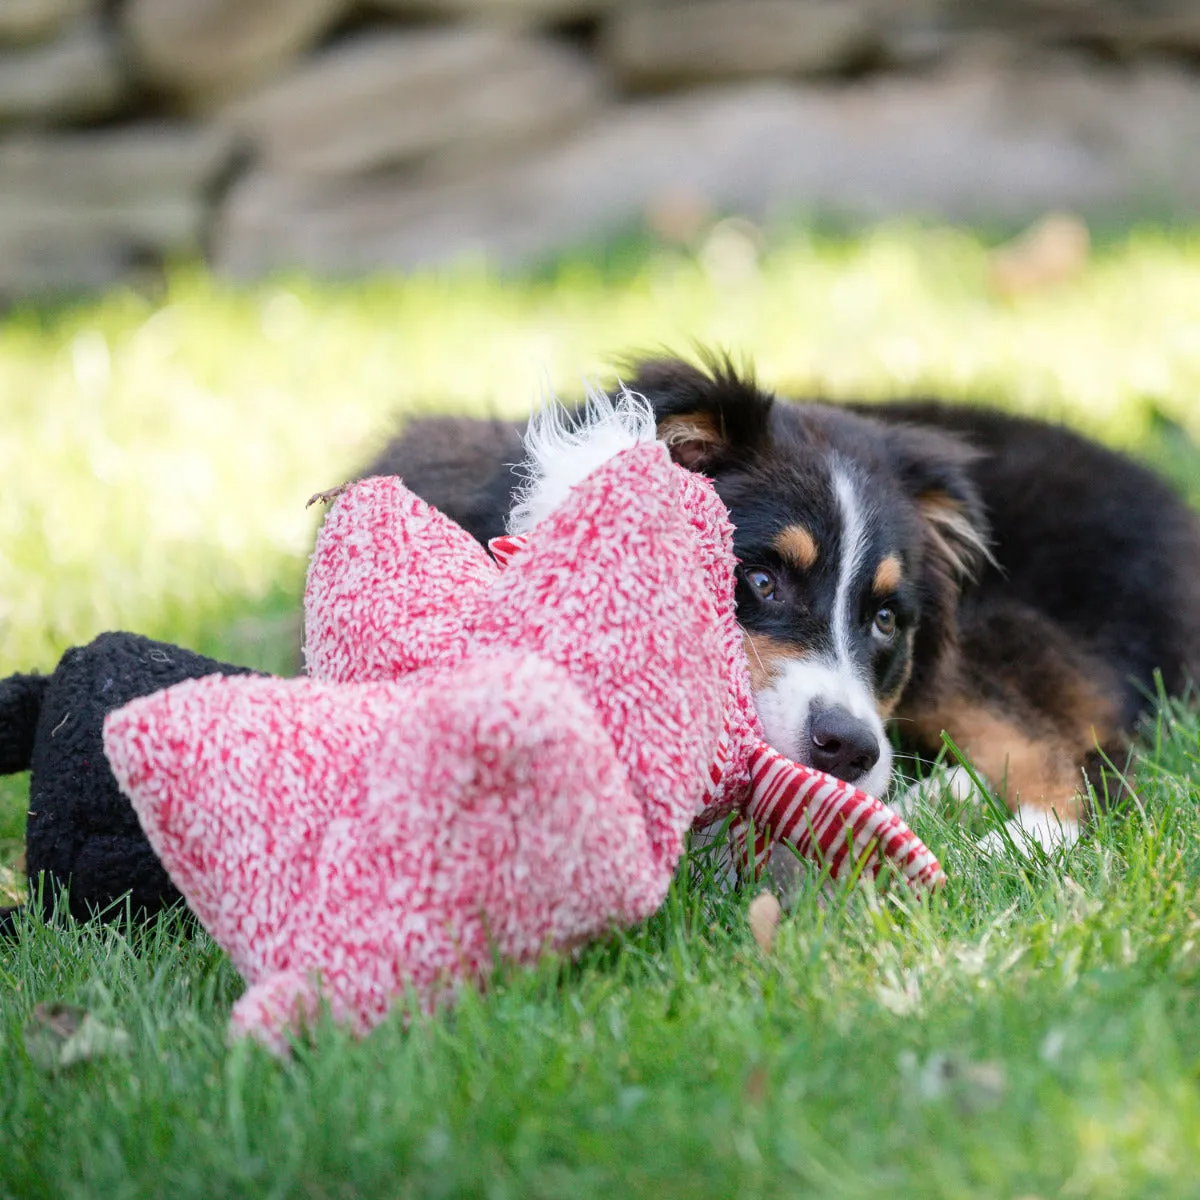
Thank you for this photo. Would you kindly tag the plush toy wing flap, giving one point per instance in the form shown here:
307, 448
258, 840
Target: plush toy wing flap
498, 823
235, 781
392, 586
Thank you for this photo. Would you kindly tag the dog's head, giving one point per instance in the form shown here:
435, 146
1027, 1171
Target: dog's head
853, 537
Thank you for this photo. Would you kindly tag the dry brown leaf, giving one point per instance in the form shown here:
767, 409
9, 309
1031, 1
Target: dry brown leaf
763, 915
757, 1085
678, 216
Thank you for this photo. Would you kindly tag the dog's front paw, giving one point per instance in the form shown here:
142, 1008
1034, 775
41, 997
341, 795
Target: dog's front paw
1032, 827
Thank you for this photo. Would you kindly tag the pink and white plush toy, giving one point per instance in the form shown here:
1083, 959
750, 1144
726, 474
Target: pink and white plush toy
486, 760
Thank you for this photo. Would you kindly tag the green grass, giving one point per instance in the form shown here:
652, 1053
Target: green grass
1034, 1031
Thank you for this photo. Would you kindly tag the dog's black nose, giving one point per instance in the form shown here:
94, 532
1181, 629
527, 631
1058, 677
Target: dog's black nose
842, 744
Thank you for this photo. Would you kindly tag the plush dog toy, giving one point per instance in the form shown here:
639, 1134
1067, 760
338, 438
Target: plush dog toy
81, 830
486, 761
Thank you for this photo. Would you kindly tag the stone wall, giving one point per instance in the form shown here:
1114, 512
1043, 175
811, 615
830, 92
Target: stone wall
342, 136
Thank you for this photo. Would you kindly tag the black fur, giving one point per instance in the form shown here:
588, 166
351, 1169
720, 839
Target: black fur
1091, 541
82, 833
470, 459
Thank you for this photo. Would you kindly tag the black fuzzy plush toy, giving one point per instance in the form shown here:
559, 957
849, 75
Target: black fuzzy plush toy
82, 834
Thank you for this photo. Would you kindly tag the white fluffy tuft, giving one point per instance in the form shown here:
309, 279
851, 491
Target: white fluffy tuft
562, 450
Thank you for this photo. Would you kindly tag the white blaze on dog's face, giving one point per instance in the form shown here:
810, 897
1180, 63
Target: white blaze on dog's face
828, 621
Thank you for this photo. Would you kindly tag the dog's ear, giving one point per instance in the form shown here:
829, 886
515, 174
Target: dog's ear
934, 469
709, 417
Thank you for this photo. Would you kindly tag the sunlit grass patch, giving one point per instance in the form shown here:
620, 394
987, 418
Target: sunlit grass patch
1033, 1031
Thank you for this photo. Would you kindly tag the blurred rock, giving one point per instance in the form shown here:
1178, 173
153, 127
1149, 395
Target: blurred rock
975, 143
659, 44
75, 77
77, 209
1173, 27
518, 13
912, 33
24, 22
442, 93
1127, 25
208, 50
113, 165
430, 130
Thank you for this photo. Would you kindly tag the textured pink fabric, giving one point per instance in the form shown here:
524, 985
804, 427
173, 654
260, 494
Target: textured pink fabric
365, 617
346, 842
236, 786
580, 567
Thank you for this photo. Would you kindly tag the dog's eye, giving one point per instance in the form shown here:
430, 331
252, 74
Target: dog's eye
885, 624
762, 583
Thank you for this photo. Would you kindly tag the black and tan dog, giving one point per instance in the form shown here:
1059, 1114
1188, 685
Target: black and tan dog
945, 568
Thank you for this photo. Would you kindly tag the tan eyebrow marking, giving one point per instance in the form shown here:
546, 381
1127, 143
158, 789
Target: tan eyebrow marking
887, 575
798, 546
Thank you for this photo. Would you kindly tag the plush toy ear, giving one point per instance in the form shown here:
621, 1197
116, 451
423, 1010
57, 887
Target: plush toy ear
708, 417
496, 820
392, 586
933, 468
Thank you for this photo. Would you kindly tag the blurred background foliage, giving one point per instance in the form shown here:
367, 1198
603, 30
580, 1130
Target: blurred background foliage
159, 448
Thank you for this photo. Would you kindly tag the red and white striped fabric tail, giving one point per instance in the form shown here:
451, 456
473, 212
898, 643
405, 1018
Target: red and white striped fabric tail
830, 822
504, 547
